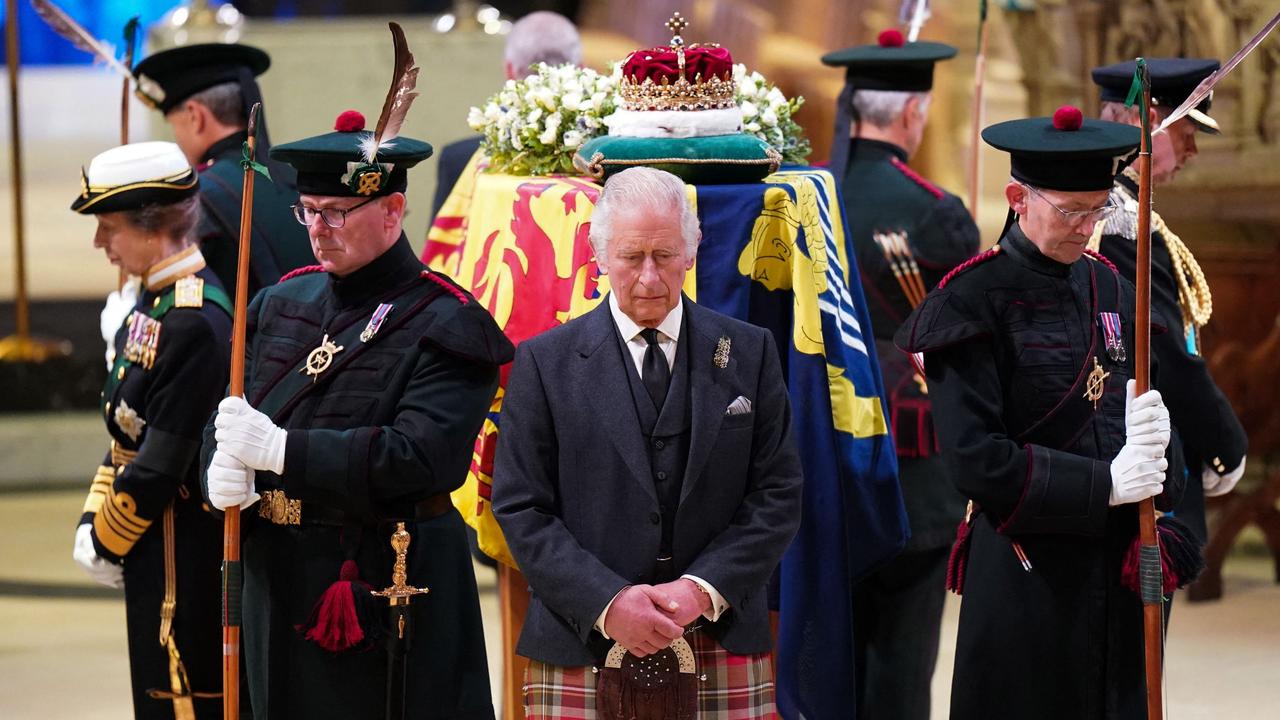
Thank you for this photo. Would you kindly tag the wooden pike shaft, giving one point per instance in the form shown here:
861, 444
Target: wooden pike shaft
22, 321
231, 521
975, 144
130, 34
1152, 610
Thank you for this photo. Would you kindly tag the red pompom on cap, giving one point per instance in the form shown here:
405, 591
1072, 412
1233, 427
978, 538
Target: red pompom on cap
890, 38
1068, 118
349, 121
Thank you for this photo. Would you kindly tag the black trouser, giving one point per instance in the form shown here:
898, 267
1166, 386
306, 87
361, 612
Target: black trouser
897, 620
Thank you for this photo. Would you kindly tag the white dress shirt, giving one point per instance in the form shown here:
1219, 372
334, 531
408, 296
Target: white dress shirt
668, 336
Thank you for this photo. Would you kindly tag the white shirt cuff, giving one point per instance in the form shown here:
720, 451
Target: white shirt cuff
718, 603
600, 620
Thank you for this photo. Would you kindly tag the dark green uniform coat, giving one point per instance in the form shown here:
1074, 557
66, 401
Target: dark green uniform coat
1008, 345
898, 609
1201, 414
159, 412
882, 194
389, 424
279, 243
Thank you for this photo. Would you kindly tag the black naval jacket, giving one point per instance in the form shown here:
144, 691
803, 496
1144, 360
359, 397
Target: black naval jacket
1206, 423
155, 406
882, 194
382, 434
1008, 346
279, 243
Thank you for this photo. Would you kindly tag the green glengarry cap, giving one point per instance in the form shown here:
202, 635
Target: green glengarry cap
334, 164
1065, 152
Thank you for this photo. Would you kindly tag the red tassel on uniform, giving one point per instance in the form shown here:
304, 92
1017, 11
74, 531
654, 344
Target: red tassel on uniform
343, 616
1181, 560
959, 556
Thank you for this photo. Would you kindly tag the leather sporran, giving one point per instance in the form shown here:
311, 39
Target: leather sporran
662, 686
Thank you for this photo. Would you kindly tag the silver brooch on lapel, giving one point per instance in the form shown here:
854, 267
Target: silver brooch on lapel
721, 358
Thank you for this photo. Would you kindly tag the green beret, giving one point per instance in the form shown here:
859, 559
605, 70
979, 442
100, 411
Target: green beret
335, 164
890, 64
169, 77
1065, 152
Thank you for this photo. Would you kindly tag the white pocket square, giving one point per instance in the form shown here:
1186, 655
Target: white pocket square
740, 406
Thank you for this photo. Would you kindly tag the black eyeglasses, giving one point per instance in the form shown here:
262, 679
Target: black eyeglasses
333, 217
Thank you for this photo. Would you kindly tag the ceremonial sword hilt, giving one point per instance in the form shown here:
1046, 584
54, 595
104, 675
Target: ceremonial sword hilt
399, 592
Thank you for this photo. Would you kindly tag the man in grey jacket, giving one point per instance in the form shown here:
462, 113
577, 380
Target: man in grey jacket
646, 479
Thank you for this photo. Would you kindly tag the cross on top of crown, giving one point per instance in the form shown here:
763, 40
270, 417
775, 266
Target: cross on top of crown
676, 25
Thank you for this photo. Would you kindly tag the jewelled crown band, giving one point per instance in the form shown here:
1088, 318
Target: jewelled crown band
678, 77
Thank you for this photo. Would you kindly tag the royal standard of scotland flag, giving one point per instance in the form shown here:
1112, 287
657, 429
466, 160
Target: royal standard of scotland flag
787, 269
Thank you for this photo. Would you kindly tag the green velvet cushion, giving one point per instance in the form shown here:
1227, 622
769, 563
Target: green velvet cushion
714, 160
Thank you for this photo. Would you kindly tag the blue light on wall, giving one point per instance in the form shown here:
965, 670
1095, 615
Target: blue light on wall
104, 18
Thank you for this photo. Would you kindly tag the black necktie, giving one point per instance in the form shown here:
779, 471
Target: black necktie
655, 372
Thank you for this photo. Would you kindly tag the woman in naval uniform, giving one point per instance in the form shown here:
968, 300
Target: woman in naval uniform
144, 527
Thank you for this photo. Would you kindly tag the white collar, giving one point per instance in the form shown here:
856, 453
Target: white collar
670, 325
167, 271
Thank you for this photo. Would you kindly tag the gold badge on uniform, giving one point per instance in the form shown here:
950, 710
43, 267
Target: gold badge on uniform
143, 339
188, 292
1095, 384
128, 420
321, 358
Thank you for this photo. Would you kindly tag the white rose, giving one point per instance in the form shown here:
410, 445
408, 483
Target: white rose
776, 97
751, 127
572, 139
749, 109
571, 100
769, 117
475, 118
534, 116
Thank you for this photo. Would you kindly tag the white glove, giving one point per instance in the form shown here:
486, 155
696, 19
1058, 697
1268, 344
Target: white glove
1135, 475
230, 483
103, 571
118, 306
1146, 420
249, 436
1215, 484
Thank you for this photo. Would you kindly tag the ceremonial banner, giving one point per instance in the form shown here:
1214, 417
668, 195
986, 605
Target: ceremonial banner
773, 254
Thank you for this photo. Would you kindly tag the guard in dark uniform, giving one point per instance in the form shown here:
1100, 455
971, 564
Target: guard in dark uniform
205, 92
1028, 350
906, 234
144, 525
367, 380
1213, 440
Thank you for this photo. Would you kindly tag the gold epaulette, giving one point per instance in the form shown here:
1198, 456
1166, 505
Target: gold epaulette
188, 292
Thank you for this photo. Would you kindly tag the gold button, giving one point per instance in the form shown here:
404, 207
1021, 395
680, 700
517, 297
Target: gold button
120, 373
106, 409
156, 303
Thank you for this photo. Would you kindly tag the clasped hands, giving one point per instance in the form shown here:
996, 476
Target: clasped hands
647, 618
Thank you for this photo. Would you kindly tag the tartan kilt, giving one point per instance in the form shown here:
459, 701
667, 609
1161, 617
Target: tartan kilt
736, 687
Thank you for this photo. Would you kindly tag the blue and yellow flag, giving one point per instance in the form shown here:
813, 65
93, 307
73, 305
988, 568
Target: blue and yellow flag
778, 258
